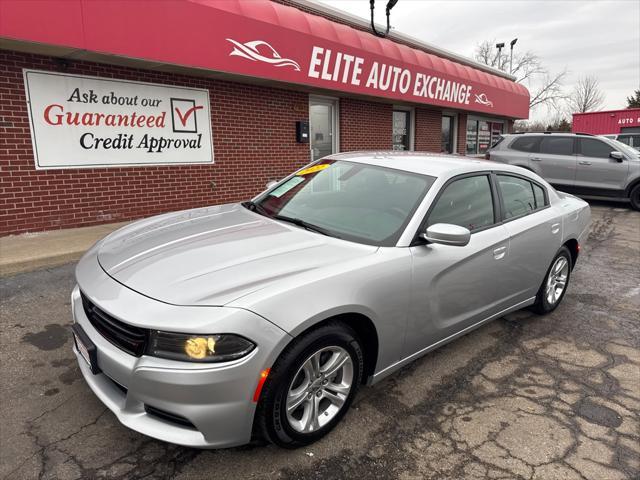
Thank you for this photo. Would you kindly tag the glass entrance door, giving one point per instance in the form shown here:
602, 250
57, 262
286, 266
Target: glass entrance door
401, 139
322, 126
447, 134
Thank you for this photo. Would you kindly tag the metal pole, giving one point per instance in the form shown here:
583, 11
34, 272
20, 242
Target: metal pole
513, 42
511, 61
499, 47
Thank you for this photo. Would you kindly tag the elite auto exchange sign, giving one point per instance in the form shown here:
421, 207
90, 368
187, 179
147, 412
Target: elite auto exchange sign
79, 121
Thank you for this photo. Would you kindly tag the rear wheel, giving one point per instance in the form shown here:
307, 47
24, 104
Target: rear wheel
555, 283
311, 386
635, 197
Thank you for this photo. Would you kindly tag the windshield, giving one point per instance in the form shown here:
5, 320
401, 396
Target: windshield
624, 148
352, 201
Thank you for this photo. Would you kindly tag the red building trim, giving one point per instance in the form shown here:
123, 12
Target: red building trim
266, 40
603, 123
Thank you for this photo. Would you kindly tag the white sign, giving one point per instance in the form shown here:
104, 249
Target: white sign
84, 122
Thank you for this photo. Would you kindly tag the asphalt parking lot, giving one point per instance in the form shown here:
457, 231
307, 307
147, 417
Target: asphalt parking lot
524, 397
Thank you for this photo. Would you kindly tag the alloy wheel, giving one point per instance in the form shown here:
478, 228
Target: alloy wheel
557, 280
319, 389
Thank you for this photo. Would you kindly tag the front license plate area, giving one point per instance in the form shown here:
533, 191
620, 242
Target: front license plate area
86, 348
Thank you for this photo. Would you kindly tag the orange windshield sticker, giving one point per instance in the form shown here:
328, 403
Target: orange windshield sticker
314, 169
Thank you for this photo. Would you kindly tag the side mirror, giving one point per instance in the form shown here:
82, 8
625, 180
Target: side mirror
447, 234
271, 184
617, 155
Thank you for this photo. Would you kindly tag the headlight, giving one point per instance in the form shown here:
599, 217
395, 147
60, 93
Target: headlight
198, 348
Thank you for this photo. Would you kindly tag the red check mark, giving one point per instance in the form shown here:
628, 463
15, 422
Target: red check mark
187, 114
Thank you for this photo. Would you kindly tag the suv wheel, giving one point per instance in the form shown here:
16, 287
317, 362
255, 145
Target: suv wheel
635, 197
311, 386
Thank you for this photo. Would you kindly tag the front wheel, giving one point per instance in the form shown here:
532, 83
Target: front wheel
635, 197
555, 284
311, 386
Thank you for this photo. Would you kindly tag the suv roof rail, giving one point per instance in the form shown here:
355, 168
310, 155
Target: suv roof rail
550, 132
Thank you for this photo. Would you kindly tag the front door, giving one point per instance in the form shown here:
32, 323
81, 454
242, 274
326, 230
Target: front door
596, 170
322, 126
456, 287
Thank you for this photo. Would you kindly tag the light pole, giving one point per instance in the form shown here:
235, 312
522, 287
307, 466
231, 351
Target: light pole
513, 42
499, 46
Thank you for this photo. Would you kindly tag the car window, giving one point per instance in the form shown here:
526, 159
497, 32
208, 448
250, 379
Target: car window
517, 195
557, 145
466, 202
626, 149
591, 147
631, 140
353, 201
526, 144
538, 193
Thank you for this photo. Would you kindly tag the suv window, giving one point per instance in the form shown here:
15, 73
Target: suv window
466, 202
557, 145
519, 196
591, 147
526, 144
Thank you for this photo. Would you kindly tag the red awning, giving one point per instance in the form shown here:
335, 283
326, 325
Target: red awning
262, 39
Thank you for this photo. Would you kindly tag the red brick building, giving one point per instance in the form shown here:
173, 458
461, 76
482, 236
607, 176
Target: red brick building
112, 111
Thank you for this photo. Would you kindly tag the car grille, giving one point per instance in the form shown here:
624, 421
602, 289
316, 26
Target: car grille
131, 339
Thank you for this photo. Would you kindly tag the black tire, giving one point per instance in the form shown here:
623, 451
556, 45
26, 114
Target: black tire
271, 420
634, 196
542, 305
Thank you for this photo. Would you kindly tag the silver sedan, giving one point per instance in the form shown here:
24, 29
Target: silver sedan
210, 326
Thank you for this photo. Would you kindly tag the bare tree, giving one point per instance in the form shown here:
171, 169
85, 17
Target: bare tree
548, 91
545, 88
586, 96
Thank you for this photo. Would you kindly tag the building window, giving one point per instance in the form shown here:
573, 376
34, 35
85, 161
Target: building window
484, 137
472, 137
481, 134
447, 144
497, 129
401, 138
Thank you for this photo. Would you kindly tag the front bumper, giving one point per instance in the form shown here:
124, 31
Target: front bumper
217, 399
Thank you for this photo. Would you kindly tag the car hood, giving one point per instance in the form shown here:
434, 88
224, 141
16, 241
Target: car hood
212, 256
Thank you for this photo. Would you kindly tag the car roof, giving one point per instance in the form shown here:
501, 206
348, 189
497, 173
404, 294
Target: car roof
432, 164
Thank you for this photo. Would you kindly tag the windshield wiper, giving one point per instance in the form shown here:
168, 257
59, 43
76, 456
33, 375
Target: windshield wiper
256, 207
306, 225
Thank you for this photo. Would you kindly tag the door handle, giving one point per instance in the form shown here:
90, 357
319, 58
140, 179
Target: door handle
536, 159
555, 228
499, 252
584, 162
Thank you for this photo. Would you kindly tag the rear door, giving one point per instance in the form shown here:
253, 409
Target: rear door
597, 171
518, 151
534, 231
556, 160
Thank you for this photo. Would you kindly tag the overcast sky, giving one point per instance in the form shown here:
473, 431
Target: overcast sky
587, 37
